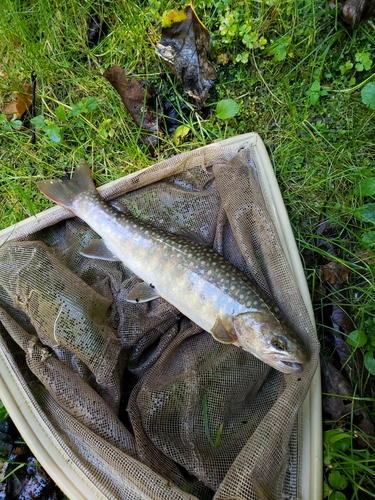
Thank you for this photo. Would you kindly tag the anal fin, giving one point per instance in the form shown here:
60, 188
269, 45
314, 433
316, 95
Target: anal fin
97, 249
142, 292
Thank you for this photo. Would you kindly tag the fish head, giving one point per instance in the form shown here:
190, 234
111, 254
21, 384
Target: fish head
264, 336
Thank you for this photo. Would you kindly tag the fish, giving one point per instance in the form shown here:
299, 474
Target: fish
191, 276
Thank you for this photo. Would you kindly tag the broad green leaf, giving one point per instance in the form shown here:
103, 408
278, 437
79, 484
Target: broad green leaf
314, 98
38, 121
77, 109
105, 129
370, 361
227, 108
314, 92
357, 338
345, 67
53, 133
337, 495
369, 238
368, 95
315, 87
368, 65
366, 187
326, 490
327, 458
16, 124
364, 60
180, 132
60, 113
91, 103
250, 39
278, 49
337, 440
337, 480
243, 57
366, 212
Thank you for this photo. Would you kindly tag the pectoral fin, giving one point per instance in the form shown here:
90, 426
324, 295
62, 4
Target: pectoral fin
97, 249
142, 292
119, 206
223, 330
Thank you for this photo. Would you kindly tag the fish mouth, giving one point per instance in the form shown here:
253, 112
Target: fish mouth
293, 366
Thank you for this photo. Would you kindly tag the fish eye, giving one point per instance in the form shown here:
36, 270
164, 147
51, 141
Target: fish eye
279, 343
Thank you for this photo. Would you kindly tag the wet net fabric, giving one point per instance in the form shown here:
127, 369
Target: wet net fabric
144, 402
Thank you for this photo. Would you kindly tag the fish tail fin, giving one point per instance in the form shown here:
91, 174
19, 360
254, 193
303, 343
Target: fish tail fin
65, 192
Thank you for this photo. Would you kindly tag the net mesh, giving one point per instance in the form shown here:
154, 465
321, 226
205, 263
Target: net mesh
136, 394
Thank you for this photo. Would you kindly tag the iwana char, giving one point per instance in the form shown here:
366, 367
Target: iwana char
191, 276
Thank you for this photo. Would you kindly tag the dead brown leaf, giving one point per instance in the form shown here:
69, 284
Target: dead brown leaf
96, 29
184, 45
351, 361
355, 11
343, 349
340, 319
17, 108
137, 99
334, 272
340, 408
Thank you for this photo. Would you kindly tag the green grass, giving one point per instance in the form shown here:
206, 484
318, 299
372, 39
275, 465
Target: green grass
296, 73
